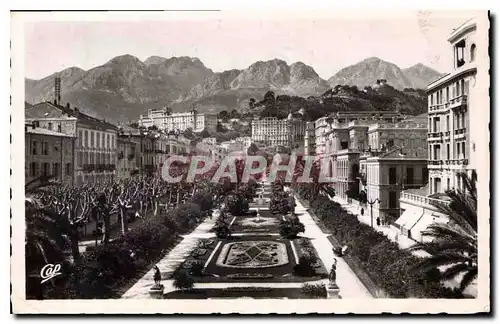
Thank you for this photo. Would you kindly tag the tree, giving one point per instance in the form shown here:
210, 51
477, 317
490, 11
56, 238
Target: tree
183, 281
205, 133
235, 114
290, 227
454, 244
224, 116
45, 242
251, 103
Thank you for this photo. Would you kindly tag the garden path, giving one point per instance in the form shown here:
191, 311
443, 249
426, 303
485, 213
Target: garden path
172, 260
349, 284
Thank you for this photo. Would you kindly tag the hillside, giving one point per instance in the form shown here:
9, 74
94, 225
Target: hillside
125, 87
368, 71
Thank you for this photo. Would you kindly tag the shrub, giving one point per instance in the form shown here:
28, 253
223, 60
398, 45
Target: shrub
183, 281
196, 269
314, 290
305, 267
109, 266
237, 204
290, 227
390, 267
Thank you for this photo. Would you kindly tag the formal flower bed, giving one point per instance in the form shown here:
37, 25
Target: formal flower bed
253, 254
250, 276
390, 267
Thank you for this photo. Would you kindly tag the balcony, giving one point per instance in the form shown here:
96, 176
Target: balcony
458, 101
460, 131
439, 108
420, 200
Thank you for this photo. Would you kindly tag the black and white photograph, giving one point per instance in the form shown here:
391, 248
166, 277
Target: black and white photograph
199, 162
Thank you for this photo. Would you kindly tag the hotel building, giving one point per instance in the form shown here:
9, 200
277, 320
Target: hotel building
167, 121
283, 132
458, 102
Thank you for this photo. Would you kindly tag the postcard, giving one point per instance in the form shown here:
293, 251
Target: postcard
250, 162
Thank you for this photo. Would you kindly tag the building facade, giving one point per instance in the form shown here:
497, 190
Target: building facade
284, 132
167, 121
48, 153
456, 102
94, 156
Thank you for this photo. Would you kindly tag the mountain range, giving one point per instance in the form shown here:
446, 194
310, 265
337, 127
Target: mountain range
125, 87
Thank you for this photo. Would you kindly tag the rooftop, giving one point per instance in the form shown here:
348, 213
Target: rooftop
44, 131
47, 109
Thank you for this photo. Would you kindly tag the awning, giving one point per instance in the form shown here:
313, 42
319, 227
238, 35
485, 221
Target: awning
410, 216
425, 221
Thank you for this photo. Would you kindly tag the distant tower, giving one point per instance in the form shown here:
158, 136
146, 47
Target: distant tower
57, 92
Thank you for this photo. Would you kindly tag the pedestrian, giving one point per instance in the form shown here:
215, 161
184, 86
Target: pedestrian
362, 211
378, 221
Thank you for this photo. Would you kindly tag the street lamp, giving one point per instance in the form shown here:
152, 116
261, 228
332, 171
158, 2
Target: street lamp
372, 202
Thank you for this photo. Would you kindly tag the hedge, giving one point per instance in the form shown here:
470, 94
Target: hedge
390, 267
104, 271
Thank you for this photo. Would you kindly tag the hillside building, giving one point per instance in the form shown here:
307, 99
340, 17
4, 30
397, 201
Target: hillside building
167, 121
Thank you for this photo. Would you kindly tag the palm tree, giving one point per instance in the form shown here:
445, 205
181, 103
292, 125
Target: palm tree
454, 245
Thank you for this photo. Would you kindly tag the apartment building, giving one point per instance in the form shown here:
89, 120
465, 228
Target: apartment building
310, 139
48, 153
399, 162
457, 104
94, 157
167, 121
284, 132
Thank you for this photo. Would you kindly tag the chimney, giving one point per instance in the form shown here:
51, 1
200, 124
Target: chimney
57, 90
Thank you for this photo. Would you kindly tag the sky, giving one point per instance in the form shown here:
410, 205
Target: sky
328, 44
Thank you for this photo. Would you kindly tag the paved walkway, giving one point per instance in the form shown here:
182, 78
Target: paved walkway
172, 260
349, 284
390, 232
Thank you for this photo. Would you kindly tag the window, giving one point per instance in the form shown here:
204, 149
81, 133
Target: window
45, 170
68, 169
55, 170
448, 184
98, 140
34, 147
437, 152
50, 126
80, 139
447, 151
92, 140
437, 185
392, 176
85, 138
409, 176
448, 123
33, 170
393, 199
45, 148
463, 150
457, 156
431, 99
59, 128
447, 94
473, 52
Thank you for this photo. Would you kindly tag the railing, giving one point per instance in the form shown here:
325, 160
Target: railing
458, 101
460, 131
435, 134
421, 199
